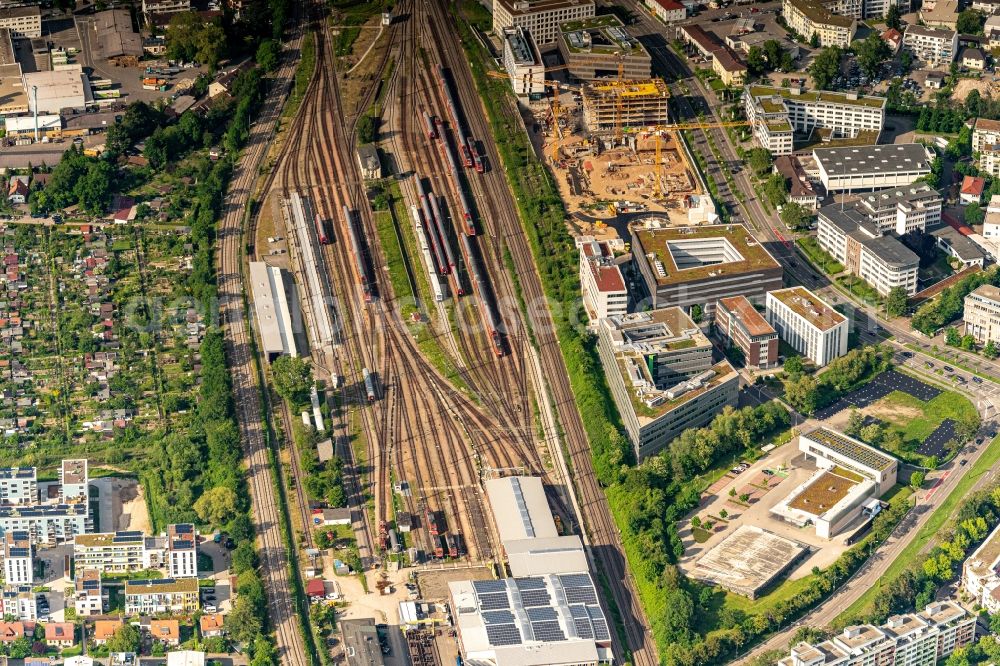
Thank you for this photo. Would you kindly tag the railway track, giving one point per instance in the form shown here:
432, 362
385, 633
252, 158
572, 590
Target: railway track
601, 533
246, 388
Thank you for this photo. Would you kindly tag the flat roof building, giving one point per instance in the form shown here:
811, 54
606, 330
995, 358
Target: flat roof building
161, 595
361, 642
687, 266
601, 281
523, 63
57, 90
862, 168
981, 573
741, 326
18, 558
811, 17
930, 46
540, 17
643, 103
89, 598
18, 485
902, 209
23, 22
117, 552
808, 324
982, 313
74, 478
595, 48
47, 524
274, 300
776, 114
659, 367
748, 560
832, 450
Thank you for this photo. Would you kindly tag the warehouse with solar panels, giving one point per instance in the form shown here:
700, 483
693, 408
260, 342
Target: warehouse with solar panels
548, 612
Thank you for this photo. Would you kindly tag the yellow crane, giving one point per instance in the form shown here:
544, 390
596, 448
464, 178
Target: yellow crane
555, 104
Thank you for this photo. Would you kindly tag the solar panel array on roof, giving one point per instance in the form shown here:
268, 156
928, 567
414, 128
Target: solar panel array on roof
529, 583
601, 632
503, 634
583, 628
20, 552
535, 598
91, 584
581, 595
541, 614
548, 632
127, 537
484, 586
493, 601
575, 580
184, 528
498, 617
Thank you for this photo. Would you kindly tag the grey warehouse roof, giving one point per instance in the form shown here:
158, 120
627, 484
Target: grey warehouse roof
891, 251
870, 159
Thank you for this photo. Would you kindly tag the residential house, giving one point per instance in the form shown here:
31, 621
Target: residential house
212, 625
972, 190
167, 632
60, 634
104, 630
973, 58
17, 191
11, 631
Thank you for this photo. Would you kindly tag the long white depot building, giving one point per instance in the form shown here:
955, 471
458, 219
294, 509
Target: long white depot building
274, 304
547, 612
807, 323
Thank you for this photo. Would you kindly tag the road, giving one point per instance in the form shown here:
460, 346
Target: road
246, 389
798, 271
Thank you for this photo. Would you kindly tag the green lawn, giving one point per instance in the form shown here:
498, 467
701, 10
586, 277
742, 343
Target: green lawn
819, 256
931, 528
915, 429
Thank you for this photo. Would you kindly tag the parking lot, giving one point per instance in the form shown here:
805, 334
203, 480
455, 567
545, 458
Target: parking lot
877, 389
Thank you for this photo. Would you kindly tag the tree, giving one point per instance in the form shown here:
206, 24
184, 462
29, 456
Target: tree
367, 129
973, 102
696, 522
756, 61
872, 433
895, 302
126, 639
696, 313
244, 558
794, 367
974, 214
970, 22
243, 622
917, 480
951, 337
871, 53
269, 54
892, 18
216, 506
795, 216
814, 40
723, 514
825, 67
760, 160
854, 423
776, 189
190, 37
968, 342
292, 378
990, 350
802, 393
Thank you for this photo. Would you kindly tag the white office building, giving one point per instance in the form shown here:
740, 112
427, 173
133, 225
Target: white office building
929, 45
540, 17
18, 562
903, 209
982, 313
18, 486
812, 17
863, 168
23, 22
523, 63
776, 113
601, 281
808, 324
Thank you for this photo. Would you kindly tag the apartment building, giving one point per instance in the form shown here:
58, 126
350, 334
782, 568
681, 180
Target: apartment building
808, 324
731, 70
689, 266
929, 45
523, 63
89, 597
47, 524
540, 17
19, 601
161, 595
18, 559
776, 113
23, 22
851, 237
982, 313
182, 551
18, 486
601, 281
632, 103
913, 639
110, 552
863, 168
879, 8
73, 480
668, 11
989, 158
152, 7
740, 325
941, 14
811, 17
659, 367
902, 209
596, 47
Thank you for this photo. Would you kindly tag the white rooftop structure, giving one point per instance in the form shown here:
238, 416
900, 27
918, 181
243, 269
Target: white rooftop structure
58, 89
274, 313
520, 509
186, 658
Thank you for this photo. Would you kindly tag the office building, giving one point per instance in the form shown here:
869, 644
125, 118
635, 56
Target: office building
632, 103
182, 551
47, 524
931, 46
775, 114
741, 326
18, 559
540, 17
914, 639
731, 70
599, 47
982, 314
523, 64
161, 595
601, 281
89, 597
659, 367
23, 22
809, 325
689, 266
811, 17
902, 209
73, 480
18, 486
862, 168
116, 552
832, 450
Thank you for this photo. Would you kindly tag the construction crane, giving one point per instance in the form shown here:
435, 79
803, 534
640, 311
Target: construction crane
555, 103
673, 129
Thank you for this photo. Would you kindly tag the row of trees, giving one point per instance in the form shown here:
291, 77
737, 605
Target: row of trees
807, 393
948, 306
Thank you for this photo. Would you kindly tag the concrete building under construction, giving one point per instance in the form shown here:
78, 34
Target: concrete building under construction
596, 47
630, 103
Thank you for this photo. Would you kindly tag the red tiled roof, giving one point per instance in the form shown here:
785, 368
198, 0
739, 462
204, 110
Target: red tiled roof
973, 185
670, 5
745, 312
315, 587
